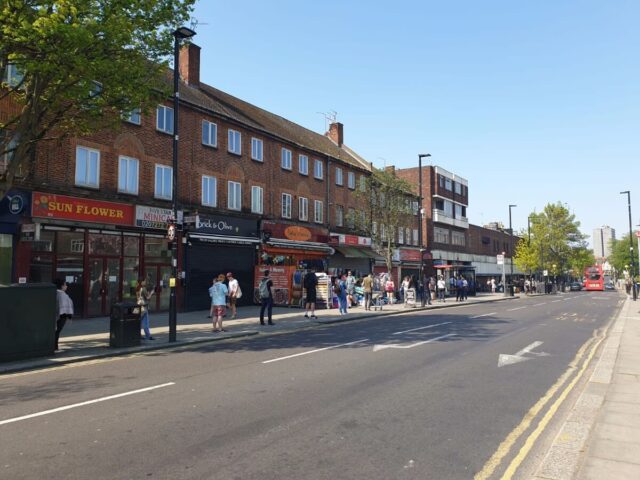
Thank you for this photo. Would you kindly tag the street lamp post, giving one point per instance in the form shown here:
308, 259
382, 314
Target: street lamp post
179, 34
420, 213
511, 246
633, 278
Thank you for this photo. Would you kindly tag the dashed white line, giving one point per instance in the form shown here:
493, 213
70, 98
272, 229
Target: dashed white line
314, 351
538, 304
82, 404
556, 301
514, 309
484, 315
421, 328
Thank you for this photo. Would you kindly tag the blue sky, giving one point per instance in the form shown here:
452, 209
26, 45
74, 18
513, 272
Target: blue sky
531, 102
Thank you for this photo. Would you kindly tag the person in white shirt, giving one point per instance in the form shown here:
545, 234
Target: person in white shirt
64, 307
441, 289
234, 294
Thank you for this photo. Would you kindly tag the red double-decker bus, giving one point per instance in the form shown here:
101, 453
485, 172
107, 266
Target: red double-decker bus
594, 278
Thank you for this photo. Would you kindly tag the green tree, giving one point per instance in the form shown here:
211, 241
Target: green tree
71, 67
386, 203
621, 254
556, 239
526, 257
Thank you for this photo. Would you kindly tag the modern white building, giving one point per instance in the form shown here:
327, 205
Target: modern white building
602, 237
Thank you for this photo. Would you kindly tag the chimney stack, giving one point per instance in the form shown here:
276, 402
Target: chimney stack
336, 133
390, 169
190, 64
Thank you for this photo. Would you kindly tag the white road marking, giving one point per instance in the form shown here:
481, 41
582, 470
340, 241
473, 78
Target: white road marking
514, 309
82, 404
484, 315
377, 348
504, 359
556, 301
538, 304
314, 351
420, 328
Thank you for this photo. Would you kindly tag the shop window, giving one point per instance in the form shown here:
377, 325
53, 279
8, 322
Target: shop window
6, 254
156, 247
46, 242
131, 246
101, 244
41, 268
70, 242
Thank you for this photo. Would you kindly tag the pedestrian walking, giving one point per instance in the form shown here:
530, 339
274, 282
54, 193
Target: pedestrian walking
64, 307
350, 285
265, 290
143, 298
390, 289
310, 283
219, 293
367, 288
234, 294
341, 292
493, 285
465, 289
441, 286
459, 294
432, 289
406, 283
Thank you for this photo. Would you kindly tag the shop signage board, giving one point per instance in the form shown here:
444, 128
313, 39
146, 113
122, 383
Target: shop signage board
156, 218
28, 232
62, 207
294, 232
350, 240
500, 259
229, 226
409, 255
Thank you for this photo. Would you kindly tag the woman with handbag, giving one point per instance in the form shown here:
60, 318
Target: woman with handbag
143, 301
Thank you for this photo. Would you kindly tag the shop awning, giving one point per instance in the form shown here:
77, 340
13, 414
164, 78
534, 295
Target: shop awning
319, 247
353, 252
224, 239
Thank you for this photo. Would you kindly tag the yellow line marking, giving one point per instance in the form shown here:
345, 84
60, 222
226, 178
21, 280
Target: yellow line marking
530, 441
516, 433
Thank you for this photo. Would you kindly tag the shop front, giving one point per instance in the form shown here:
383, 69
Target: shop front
288, 252
97, 249
409, 259
219, 244
13, 208
353, 253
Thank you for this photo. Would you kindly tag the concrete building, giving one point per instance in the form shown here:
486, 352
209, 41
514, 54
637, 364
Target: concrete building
602, 237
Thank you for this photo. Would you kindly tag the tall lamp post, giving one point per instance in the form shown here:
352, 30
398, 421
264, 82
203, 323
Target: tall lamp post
181, 33
633, 278
420, 214
511, 244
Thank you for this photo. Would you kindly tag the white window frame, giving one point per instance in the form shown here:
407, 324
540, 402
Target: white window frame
448, 184
318, 207
303, 209
209, 194
234, 141
457, 188
12, 75
318, 169
162, 169
338, 176
209, 133
257, 199
257, 149
303, 165
86, 182
234, 195
130, 163
400, 235
351, 180
286, 200
339, 216
164, 121
415, 236
458, 238
441, 235
134, 116
407, 235
286, 159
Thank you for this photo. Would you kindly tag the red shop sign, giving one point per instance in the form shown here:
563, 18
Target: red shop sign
81, 209
409, 255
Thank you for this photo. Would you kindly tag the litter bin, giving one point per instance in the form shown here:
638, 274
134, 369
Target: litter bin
124, 328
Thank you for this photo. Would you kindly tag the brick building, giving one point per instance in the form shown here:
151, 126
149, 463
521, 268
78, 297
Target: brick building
256, 191
453, 245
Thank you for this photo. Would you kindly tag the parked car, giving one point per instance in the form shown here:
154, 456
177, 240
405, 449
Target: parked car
575, 286
609, 286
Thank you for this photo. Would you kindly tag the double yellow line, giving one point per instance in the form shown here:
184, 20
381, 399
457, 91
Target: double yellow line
507, 444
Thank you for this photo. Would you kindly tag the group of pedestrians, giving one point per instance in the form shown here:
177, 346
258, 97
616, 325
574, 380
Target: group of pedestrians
223, 296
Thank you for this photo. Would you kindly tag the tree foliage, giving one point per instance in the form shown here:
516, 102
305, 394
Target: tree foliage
556, 239
621, 254
71, 67
386, 205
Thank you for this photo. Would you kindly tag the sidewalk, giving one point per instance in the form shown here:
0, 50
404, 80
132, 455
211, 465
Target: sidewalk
601, 437
86, 339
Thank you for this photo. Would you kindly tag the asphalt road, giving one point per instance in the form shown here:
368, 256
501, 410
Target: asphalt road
415, 396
